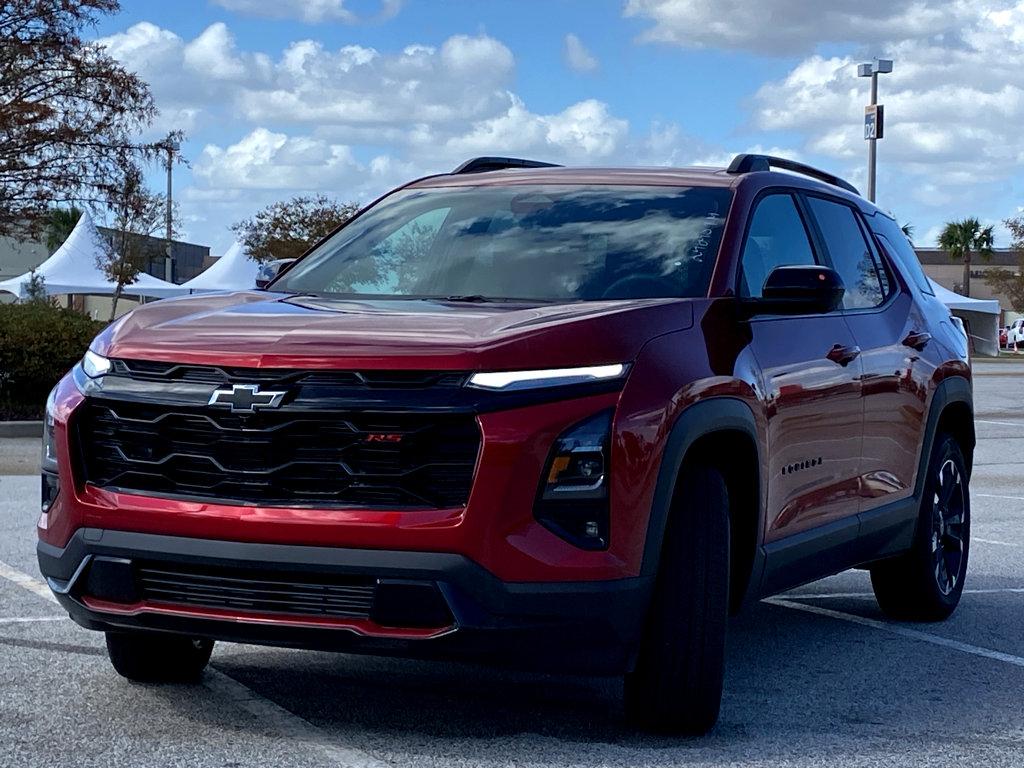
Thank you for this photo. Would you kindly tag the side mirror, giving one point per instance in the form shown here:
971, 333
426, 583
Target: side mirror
798, 290
270, 270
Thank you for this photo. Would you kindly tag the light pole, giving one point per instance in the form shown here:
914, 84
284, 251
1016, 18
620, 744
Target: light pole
873, 116
171, 146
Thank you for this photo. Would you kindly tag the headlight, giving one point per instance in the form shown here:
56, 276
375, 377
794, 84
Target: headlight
573, 497
50, 481
549, 377
49, 431
94, 365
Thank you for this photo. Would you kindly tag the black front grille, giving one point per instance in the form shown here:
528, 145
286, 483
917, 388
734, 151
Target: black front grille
156, 371
261, 592
279, 457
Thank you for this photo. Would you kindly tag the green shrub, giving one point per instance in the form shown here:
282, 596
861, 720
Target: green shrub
38, 344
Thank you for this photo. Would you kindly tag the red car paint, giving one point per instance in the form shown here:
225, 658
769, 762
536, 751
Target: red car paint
682, 352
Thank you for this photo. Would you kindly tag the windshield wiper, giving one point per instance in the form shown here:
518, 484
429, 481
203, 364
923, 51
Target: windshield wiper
481, 299
474, 298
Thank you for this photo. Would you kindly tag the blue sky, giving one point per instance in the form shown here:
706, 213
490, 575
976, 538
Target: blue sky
351, 97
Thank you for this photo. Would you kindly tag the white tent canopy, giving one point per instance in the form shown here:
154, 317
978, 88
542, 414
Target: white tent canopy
980, 318
73, 269
956, 301
234, 271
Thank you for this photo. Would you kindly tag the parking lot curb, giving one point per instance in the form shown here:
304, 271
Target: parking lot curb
21, 429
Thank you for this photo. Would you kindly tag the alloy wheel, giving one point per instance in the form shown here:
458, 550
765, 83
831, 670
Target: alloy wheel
948, 526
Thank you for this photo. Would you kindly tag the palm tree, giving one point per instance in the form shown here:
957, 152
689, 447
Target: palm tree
961, 239
59, 223
908, 230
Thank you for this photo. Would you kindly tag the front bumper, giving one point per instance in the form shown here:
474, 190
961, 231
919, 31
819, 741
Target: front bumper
590, 627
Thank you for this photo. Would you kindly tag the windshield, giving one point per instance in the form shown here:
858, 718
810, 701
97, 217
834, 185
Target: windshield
549, 243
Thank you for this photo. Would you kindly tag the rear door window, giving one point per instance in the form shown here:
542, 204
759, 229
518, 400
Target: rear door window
852, 257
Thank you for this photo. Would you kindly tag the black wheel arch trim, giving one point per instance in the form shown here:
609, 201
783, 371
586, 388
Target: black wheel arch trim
717, 414
950, 391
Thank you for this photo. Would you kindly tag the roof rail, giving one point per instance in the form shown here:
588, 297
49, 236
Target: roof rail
745, 164
481, 164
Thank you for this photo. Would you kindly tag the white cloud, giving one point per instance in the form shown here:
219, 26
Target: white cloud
267, 160
582, 132
942, 115
213, 53
795, 26
309, 11
186, 77
466, 78
954, 109
355, 121
577, 57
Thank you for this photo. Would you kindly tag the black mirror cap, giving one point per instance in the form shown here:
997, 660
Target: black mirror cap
269, 271
799, 290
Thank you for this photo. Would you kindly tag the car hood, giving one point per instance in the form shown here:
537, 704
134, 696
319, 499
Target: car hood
254, 329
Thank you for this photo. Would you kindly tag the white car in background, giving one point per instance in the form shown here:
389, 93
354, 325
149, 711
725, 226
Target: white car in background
1015, 334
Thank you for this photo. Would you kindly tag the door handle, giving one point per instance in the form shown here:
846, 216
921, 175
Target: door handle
842, 355
918, 340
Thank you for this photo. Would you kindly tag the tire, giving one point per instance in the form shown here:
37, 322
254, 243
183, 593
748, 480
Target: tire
925, 583
158, 657
676, 686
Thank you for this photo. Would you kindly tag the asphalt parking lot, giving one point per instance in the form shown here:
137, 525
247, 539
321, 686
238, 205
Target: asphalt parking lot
815, 677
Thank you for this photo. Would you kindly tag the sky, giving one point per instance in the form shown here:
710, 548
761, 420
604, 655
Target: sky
351, 98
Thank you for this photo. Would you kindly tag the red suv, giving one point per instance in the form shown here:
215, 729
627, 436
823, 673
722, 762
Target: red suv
560, 418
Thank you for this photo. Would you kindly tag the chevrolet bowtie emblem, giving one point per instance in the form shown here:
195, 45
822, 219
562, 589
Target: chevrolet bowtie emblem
247, 398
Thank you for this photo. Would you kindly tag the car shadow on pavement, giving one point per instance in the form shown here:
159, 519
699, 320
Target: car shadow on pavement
787, 673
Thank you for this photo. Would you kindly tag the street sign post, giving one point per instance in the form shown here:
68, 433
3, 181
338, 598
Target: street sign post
874, 121
873, 116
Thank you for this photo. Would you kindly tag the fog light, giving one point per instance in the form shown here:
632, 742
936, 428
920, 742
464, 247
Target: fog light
50, 490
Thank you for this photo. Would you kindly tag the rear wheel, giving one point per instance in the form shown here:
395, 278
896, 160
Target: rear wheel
158, 657
925, 584
677, 684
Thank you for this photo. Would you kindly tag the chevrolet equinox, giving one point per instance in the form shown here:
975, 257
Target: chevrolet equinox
556, 418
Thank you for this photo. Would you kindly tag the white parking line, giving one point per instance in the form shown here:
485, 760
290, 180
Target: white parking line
994, 422
868, 594
904, 632
21, 579
20, 620
288, 724
994, 542
996, 496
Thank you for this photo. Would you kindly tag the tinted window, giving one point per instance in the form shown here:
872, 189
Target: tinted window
899, 247
531, 242
850, 254
776, 237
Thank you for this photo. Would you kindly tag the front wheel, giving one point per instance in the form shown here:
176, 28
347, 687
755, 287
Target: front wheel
158, 657
925, 583
677, 684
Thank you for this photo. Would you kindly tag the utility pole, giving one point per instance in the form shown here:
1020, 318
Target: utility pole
171, 146
874, 115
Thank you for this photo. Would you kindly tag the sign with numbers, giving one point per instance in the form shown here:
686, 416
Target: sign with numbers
874, 120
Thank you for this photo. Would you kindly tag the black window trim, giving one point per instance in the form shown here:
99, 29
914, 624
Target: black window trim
794, 195
907, 280
897, 285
